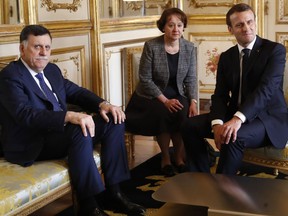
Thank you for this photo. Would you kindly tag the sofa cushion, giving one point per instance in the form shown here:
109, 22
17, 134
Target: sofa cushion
19, 186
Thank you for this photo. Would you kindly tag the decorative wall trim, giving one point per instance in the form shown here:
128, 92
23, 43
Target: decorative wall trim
134, 5
71, 61
201, 4
204, 18
117, 50
123, 24
4, 61
282, 37
50, 6
282, 11
10, 33
69, 28
106, 75
209, 47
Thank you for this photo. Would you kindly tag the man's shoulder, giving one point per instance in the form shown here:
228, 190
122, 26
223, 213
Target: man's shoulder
268, 47
11, 65
266, 43
52, 66
229, 51
11, 68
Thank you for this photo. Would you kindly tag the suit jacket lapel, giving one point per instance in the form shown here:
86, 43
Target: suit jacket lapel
254, 54
236, 61
29, 80
163, 56
255, 51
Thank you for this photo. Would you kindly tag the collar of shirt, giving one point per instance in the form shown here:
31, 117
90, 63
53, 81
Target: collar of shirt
250, 46
33, 74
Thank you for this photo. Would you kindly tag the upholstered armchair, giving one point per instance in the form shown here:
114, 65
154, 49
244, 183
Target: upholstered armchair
270, 156
131, 66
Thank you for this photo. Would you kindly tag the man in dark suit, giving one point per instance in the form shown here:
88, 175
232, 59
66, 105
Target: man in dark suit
248, 106
36, 125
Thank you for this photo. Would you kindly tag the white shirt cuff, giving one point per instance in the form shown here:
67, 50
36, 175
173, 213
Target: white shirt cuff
216, 121
241, 116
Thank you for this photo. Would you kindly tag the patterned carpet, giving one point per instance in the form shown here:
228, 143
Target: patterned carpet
146, 179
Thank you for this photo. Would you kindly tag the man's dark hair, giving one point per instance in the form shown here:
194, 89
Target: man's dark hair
36, 30
168, 12
238, 8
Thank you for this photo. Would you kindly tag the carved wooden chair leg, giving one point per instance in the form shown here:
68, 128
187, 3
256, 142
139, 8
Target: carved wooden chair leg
132, 147
130, 144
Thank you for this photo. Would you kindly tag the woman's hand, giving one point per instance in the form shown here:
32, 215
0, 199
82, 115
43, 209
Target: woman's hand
193, 110
173, 105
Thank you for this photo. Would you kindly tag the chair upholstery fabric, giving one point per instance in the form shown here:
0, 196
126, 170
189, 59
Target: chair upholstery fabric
19, 186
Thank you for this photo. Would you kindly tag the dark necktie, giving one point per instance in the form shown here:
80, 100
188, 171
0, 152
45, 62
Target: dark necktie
48, 93
245, 59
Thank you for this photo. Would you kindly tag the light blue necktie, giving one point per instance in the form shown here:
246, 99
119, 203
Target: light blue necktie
48, 93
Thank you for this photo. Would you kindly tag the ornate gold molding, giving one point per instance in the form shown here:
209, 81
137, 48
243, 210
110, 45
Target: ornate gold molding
282, 37
149, 4
282, 11
219, 19
4, 61
266, 8
122, 24
199, 4
54, 6
130, 55
76, 55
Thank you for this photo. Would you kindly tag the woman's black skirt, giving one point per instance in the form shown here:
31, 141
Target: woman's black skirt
150, 117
